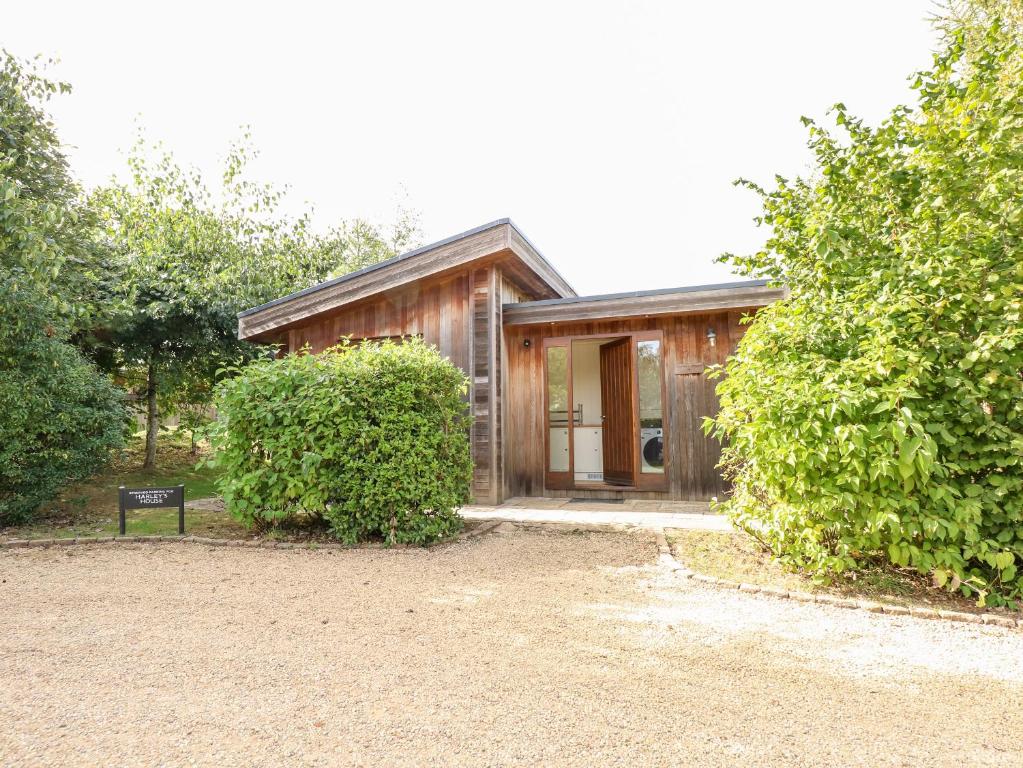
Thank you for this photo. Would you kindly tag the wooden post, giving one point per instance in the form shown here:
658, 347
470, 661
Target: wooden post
181, 511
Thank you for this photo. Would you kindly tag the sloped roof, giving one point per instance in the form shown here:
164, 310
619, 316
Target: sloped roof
496, 237
693, 298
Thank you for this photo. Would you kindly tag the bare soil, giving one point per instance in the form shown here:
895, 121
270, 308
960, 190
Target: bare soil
519, 647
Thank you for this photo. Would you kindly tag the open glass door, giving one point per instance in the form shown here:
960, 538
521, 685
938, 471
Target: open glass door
558, 416
605, 420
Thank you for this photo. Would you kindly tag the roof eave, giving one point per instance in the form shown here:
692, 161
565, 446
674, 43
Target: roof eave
264, 321
669, 301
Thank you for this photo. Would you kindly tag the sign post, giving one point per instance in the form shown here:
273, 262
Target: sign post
148, 498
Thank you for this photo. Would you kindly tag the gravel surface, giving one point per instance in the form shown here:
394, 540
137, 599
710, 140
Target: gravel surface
521, 647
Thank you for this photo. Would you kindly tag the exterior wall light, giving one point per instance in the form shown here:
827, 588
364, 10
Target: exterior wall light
712, 336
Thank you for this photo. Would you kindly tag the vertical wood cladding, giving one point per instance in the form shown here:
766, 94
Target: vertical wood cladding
437, 310
462, 315
480, 383
690, 396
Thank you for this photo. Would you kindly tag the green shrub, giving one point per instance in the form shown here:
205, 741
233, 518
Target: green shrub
60, 418
877, 413
372, 439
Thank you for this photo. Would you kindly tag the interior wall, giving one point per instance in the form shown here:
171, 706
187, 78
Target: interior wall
586, 380
588, 434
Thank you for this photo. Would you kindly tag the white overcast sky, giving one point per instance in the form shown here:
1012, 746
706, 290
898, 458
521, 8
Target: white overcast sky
610, 132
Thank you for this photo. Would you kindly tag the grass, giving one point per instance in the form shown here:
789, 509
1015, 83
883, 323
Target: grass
89, 508
740, 558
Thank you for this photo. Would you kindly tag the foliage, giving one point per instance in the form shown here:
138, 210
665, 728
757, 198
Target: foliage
43, 250
878, 411
89, 507
189, 259
372, 438
172, 322
59, 417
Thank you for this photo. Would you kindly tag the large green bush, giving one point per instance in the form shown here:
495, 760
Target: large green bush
373, 439
878, 411
60, 418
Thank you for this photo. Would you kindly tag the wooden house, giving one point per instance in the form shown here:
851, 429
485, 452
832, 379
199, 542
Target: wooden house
581, 396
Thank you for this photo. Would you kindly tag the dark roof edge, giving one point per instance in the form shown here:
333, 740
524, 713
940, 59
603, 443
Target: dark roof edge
538, 252
402, 257
641, 294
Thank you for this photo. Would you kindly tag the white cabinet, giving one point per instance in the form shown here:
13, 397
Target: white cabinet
589, 447
589, 452
559, 449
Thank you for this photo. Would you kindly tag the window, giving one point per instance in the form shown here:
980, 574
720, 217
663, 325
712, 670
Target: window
651, 409
558, 408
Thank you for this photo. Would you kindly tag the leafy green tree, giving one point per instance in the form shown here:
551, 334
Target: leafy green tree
878, 411
59, 417
358, 243
189, 259
169, 247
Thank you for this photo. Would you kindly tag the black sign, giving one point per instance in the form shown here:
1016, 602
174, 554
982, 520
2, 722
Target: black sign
142, 498
147, 498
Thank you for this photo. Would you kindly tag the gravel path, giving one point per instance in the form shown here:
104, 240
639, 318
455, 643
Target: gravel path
521, 647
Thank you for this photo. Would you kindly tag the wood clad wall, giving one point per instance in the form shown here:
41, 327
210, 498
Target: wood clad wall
512, 292
462, 315
690, 397
437, 310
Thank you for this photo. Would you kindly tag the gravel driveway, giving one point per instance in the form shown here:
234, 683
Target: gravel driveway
519, 648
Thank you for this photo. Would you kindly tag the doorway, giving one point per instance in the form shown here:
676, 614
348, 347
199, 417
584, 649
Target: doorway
604, 415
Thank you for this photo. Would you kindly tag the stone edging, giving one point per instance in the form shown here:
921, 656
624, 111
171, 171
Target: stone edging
667, 559
311, 546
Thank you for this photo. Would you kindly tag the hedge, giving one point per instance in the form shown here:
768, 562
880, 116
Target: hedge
60, 418
371, 439
877, 413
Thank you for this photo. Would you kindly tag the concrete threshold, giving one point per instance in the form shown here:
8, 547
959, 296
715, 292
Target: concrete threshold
655, 521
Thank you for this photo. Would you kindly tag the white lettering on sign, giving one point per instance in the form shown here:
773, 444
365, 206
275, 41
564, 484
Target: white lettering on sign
150, 497
135, 498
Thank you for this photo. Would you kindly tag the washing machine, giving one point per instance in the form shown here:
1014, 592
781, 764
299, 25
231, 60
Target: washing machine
651, 445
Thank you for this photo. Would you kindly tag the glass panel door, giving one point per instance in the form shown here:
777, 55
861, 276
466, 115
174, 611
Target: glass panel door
558, 416
651, 408
630, 442
652, 459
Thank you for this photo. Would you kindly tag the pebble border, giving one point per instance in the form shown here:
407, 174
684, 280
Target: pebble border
667, 559
312, 546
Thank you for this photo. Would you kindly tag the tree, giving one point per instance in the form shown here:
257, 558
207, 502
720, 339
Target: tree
359, 243
59, 417
878, 411
190, 259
